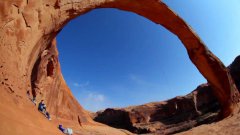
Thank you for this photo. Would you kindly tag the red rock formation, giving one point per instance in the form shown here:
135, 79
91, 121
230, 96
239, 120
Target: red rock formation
209, 65
48, 83
28, 60
167, 117
19, 113
29, 27
171, 116
235, 72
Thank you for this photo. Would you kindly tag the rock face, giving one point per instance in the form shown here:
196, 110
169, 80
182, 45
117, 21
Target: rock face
18, 112
235, 71
29, 59
47, 83
167, 117
171, 116
28, 27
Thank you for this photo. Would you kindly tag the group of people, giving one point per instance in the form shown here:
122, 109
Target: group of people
43, 109
41, 106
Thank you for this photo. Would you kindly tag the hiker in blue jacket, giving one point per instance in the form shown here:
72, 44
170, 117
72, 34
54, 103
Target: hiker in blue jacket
43, 109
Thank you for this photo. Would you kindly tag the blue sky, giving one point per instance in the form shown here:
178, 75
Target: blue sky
113, 58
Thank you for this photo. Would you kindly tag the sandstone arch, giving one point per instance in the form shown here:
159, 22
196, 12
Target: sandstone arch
28, 28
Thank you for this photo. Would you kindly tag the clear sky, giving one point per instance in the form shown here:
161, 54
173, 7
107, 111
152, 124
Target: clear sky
113, 58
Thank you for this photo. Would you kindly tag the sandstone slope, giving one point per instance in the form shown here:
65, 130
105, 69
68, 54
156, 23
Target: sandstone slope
19, 115
29, 61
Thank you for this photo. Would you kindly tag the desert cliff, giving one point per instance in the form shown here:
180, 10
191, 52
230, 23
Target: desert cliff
172, 116
29, 62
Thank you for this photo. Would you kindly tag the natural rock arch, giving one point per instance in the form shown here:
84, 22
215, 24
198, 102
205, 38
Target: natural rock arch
206, 62
28, 27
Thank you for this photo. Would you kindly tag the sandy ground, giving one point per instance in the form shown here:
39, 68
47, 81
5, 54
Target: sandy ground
100, 130
19, 116
228, 126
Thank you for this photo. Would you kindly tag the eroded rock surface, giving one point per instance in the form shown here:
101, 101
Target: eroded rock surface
27, 27
235, 71
171, 116
166, 117
29, 60
48, 83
